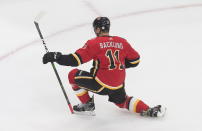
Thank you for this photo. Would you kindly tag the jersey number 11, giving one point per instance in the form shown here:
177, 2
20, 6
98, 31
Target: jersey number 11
112, 58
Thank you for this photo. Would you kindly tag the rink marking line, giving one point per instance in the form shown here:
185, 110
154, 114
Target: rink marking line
18, 49
6, 55
157, 10
92, 8
2, 57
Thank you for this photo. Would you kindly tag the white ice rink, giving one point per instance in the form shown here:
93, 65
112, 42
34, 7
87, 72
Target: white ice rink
166, 33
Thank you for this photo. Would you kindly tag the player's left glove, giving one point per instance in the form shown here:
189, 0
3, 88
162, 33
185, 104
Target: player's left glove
51, 57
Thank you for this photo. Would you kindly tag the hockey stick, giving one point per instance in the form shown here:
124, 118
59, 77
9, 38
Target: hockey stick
53, 65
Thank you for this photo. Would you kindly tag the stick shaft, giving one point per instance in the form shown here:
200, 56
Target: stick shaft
54, 68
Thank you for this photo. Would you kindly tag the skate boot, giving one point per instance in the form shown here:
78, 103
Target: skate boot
157, 111
85, 109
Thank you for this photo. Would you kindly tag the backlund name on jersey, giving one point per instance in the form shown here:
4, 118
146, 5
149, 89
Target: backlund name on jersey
111, 44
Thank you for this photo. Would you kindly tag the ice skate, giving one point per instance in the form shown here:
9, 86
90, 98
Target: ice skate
157, 111
85, 109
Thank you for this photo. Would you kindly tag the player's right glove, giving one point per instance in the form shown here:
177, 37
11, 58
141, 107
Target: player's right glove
51, 57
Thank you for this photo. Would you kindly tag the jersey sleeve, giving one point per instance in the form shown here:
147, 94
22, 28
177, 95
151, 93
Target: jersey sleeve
68, 60
86, 53
132, 57
82, 55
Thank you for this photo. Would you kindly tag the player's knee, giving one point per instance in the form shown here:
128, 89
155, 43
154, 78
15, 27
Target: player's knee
124, 104
71, 76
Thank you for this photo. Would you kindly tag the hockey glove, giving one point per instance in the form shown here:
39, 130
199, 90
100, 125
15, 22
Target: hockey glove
51, 57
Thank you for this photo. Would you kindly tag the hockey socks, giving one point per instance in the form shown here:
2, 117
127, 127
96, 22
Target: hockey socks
133, 105
137, 106
82, 94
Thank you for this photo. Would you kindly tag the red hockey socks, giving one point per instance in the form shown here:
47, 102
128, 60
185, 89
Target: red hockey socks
136, 105
133, 105
82, 94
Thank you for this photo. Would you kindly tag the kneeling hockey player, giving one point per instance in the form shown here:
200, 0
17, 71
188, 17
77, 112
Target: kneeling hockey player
111, 56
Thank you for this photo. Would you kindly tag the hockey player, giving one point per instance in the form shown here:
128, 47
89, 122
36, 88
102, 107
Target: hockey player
111, 56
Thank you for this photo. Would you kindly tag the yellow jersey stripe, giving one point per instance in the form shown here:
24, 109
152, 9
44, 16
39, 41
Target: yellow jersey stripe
92, 90
77, 58
82, 93
135, 62
83, 77
100, 89
135, 105
96, 66
107, 86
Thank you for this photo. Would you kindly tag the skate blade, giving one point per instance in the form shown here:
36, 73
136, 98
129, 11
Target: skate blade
85, 113
162, 112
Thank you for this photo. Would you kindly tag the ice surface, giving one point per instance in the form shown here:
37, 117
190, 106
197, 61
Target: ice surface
170, 73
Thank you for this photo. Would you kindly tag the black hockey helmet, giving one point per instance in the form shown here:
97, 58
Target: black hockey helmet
103, 23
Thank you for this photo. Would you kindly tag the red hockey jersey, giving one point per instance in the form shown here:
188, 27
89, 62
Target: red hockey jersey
109, 54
